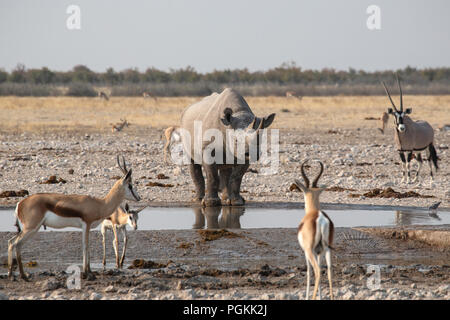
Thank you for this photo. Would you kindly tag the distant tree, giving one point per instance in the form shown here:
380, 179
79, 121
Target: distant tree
18, 75
188, 75
131, 75
111, 77
82, 73
3, 76
155, 75
41, 76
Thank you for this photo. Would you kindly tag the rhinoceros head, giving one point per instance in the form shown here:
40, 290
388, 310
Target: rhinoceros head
247, 137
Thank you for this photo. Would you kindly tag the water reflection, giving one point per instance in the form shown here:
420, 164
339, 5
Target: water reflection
230, 217
403, 218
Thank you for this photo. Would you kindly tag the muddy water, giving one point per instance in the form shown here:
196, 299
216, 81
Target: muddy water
245, 218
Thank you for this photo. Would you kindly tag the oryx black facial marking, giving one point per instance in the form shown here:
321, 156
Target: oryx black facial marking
411, 136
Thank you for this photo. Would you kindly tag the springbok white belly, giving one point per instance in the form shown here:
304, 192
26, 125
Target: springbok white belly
54, 221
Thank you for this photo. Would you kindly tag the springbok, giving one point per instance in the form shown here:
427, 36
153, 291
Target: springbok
103, 95
383, 122
149, 95
315, 232
119, 125
171, 134
293, 94
62, 211
118, 221
412, 137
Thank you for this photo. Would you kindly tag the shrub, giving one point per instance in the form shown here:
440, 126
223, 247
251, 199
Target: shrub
79, 89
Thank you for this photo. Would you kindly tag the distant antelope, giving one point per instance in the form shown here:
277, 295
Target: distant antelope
168, 133
293, 94
62, 211
383, 122
149, 95
315, 232
412, 137
118, 222
103, 95
119, 125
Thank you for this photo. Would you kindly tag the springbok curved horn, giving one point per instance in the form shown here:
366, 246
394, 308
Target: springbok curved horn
302, 170
314, 184
401, 94
388, 94
124, 167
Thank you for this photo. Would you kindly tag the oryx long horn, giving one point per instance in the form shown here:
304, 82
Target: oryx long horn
389, 95
401, 93
302, 170
261, 123
314, 184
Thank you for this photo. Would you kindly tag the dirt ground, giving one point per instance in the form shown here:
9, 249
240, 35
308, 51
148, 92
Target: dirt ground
71, 139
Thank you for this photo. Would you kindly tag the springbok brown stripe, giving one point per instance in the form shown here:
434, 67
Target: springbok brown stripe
64, 211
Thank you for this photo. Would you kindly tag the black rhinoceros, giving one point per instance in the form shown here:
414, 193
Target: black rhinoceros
221, 118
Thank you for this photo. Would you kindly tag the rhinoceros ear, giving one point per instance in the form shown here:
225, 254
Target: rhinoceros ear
226, 120
268, 120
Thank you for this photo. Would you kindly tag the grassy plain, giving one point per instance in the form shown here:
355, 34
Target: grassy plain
53, 114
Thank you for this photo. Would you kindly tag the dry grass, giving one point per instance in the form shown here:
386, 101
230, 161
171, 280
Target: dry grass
53, 114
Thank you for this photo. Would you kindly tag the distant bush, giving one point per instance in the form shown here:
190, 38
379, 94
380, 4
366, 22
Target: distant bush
28, 90
79, 89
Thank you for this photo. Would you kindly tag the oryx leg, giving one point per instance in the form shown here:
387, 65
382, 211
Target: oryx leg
212, 186
418, 157
125, 241
402, 157
199, 181
116, 245
430, 164
408, 166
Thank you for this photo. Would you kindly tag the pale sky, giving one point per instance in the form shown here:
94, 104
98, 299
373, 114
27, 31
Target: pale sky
227, 34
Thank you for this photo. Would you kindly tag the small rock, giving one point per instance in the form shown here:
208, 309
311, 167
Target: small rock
109, 289
3, 296
95, 296
349, 295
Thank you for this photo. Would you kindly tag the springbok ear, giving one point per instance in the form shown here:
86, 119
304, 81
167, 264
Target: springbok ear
300, 185
127, 176
390, 111
408, 110
127, 207
268, 120
227, 115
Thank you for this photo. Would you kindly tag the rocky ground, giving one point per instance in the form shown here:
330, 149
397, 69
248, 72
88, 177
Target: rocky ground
257, 264
238, 264
356, 163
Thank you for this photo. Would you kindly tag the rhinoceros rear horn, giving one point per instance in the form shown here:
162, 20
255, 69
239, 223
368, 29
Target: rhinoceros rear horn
268, 120
227, 115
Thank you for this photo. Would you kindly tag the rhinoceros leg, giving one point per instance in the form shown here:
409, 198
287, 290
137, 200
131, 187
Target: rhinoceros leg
235, 184
212, 186
225, 175
199, 181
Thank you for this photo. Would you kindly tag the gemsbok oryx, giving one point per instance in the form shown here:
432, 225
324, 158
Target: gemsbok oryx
62, 211
412, 137
315, 232
103, 95
118, 221
171, 134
